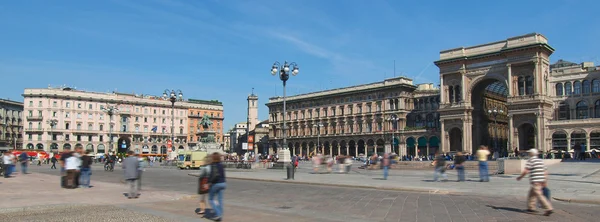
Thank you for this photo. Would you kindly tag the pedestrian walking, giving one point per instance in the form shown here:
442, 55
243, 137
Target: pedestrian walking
24, 160
131, 167
72, 166
482, 156
53, 160
217, 180
538, 178
86, 170
386, 162
459, 160
204, 184
440, 167
7, 161
140, 170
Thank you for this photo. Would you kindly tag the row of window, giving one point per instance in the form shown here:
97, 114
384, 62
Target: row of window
582, 110
101, 107
339, 110
578, 87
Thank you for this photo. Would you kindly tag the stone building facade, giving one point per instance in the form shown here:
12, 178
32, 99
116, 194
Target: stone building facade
354, 120
195, 116
507, 95
142, 123
11, 124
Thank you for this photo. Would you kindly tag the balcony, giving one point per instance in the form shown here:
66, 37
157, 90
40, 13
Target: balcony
34, 130
35, 118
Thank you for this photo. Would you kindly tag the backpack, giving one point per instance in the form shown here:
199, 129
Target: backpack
214, 173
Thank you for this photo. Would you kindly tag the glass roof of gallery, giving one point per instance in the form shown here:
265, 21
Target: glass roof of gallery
497, 88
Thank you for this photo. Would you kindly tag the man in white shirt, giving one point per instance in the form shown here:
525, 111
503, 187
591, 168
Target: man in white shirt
72, 165
7, 160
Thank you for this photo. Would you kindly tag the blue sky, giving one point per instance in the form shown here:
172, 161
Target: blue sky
216, 49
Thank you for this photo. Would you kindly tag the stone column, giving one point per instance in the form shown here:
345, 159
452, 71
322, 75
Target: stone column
356, 149
511, 133
538, 132
442, 91
587, 142
568, 142
443, 145
509, 80
338, 149
535, 77
347, 150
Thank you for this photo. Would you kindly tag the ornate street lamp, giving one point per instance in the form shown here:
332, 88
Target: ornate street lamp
173, 96
318, 126
394, 120
284, 74
52, 123
110, 110
494, 112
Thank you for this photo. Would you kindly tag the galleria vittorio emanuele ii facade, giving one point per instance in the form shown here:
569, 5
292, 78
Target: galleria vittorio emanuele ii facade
505, 94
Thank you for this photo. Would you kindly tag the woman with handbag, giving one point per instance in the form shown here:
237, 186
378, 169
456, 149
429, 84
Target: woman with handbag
204, 184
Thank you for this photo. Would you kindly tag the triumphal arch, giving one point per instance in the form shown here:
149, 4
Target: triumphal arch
496, 94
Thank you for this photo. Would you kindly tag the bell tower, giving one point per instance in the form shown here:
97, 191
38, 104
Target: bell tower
252, 111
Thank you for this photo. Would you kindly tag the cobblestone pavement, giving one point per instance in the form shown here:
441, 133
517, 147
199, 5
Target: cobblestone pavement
268, 201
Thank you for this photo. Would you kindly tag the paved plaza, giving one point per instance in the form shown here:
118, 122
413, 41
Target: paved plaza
169, 195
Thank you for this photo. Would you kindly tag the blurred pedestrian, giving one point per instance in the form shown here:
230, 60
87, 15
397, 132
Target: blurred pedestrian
204, 184
538, 178
24, 160
131, 168
482, 156
53, 160
217, 180
440, 167
140, 170
459, 160
86, 170
72, 166
386, 162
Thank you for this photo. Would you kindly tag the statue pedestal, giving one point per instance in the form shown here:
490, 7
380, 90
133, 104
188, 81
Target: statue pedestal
284, 158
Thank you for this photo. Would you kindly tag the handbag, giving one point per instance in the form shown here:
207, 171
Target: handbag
203, 184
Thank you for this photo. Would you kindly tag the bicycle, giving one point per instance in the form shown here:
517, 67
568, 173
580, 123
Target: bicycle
108, 167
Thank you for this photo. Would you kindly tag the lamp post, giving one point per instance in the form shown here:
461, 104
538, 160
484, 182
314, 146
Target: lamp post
52, 123
393, 119
318, 126
284, 74
110, 110
173, 96
494, 112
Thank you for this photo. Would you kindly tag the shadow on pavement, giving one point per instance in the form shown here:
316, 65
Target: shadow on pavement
507, 209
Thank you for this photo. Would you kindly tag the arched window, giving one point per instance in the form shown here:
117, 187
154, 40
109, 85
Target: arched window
582, 110
568, 89
563, 111
529, 85
559, 89
596, 85
457, 94
521, 83
451, 94
597, 109
430, 121
419, 121
586, 86
577, 88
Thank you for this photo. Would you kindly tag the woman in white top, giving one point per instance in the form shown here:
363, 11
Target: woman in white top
204, 172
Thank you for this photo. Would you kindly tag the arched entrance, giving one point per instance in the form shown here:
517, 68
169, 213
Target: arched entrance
101, 148
361, 147
380, 146
456, 138
578, 137
352, 148
66, 146
90, 148
559, 141
434, 145
30, 146
490, 114
53, 147
370, 147
410, 146
526, 136
123, 144
39, 146
163, 149
154, 149
422, 146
